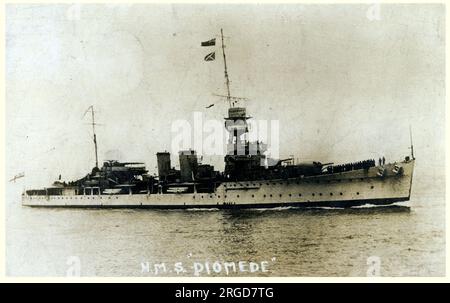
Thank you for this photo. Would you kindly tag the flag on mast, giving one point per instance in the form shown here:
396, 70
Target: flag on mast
210, 56
211, 42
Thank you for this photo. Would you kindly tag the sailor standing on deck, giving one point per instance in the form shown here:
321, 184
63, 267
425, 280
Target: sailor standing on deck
384, 160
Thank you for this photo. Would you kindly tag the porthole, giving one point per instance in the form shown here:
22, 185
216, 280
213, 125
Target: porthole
218, 196
357, 192
271, 195
320, 194
211, 196
237, 196
264, 196
313, 194
253, 196
290, 195
331, 194
281, 195
193, 197
225, 196
371, 187
341, 194
299, 195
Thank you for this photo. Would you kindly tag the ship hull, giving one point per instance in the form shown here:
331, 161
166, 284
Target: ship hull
346, 189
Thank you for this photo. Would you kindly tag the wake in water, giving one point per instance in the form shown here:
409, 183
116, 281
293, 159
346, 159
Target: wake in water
396, 204
365, 206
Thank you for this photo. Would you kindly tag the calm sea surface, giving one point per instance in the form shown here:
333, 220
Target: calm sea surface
403, 241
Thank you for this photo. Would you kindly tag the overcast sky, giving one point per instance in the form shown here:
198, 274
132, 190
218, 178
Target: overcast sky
344, 87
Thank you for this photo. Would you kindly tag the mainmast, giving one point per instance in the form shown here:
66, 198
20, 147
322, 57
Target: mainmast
227, 80
91, 108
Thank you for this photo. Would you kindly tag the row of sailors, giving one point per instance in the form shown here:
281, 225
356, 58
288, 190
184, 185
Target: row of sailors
351, 166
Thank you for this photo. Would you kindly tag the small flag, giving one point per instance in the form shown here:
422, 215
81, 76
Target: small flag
211, 42
209, 106
210, 57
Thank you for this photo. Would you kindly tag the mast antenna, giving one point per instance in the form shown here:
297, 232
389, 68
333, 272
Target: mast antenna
227, 80
91, 108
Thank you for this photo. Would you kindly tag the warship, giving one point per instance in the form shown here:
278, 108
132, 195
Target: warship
249, 179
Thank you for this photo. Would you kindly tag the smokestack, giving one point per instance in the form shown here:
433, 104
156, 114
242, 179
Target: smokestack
163, 164
188, 165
